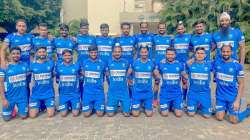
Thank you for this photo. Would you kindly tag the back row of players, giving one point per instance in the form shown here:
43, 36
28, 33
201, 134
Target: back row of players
156, 58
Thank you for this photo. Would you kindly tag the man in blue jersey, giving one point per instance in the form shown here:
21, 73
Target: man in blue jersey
93, 70
117, 69
104, 44
19, 39
84, 40
199, 92
14, 86
170, 71
161, 43
229, 36
142, 69
229, 76
42, 78
63, 42
67, 75
144, 39
43, 40
202, 39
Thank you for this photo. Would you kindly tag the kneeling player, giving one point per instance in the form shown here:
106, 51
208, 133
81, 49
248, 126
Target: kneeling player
93, 70
42, 90
67, 74
199, 92
15, 90
170, 95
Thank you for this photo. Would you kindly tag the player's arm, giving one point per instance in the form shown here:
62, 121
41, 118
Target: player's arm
129, 75
157, 76
242, 52
2, 91
241, 85
3, 54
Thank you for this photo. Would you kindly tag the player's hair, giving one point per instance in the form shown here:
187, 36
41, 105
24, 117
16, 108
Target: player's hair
92, 48
119, 46
160, 23
15, 49
143, 23
227, 45
21, 20
144, 47
199, 22
179, 24
170, 49
43, 25
125, 24
67, 51
199, 48
42, 47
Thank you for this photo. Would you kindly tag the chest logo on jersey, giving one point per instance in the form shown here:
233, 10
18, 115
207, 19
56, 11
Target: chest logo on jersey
206, 68
98, 67
186, 39
16, 41
23, 68
206, 40
177, 68
231, 69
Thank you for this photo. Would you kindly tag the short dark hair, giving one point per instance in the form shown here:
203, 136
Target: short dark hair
67, 51
15, 49
43, 25
104, 25
143, 23
200, 48
144, 47
42, 47
21, 20
63, 26
199, 22
92, 48
170, 49
162, 23
125, 23
227, 45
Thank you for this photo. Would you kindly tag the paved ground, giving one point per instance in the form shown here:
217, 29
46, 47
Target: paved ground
120, 128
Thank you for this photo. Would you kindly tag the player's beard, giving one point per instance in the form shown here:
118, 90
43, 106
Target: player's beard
225, 30
226, 58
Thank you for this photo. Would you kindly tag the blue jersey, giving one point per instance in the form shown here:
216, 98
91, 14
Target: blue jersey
161, 43
24, 42
15, 82
234, 37
181, 43
143, 40
42, 78
62, 44
93, 76
142, 73
68, 78
43, 42
204, 40
83, 43
199, 77
227, 74
128, 44
117, 70
105, 45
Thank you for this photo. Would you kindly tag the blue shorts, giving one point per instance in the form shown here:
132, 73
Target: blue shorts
91, 101
223, 105
73, 101
22, 110
114, 99
145, 98
175, 103
36, 103
194, 99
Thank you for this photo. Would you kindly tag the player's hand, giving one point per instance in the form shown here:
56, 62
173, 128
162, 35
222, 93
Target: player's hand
5, 103
3, 65
190, 61
236, 105
130, 82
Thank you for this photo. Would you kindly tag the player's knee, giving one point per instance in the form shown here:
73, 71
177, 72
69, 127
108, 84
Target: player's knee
75, 113
206, 116
191, 114
7, 118
99, 113
149, 113
64, 114
233, 119
125, 114
50, 112
111, 114
136, 113
33, 114
178, 113
164, 113
87, 114
219, 116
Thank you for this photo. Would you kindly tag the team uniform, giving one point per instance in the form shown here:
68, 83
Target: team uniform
21, 41
199, 92
16, 89
143, 40
105, 45
170, 94
83, 43
118, 87
161, 43
62, 44
42, 90
205, 41
93, 94
68, 85
234, 38
38, 42
142, 86
128, 46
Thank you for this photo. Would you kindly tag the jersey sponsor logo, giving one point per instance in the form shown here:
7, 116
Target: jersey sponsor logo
17, 78
83, 47
199, 76
144, 44
171, 76
92, 74
49, 49
220, 44
25, 47
241, 73
105, 48
225, 77
42, 76
116, 73
161, 47
145, 75
127, 48
181, 46
206, 47
68, 78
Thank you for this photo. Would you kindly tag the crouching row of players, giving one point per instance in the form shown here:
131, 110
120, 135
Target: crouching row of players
229, 78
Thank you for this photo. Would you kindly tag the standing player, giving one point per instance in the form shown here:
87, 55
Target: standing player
19, 39
67, 74
63, 42
229, 36
142, 69
199, 92
42, 90
117, 69
171, 72
93, 70
105, 44
14, 86
229, 76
